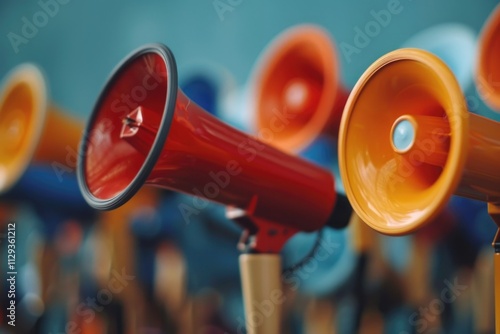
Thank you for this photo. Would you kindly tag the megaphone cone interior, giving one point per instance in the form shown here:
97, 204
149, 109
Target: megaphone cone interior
297, 89
407, 143
144, 130
488, 70
31, 129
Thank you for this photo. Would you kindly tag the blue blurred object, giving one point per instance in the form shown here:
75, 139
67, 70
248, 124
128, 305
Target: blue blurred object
398, 251
321, 152
325, 271
455, 44
209, 244
207, 84
150, 228
55, 198
335, 259
201, 90
474, 220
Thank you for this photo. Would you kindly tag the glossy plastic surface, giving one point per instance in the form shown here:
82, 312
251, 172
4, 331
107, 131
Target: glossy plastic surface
298, 94
454, 151
23, 104
488, 67
173, 143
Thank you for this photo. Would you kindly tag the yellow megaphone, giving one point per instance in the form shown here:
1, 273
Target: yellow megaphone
31, 128
488, 66
407, 143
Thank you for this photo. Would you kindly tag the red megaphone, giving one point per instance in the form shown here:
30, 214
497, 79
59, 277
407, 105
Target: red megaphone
297, 90
144, 130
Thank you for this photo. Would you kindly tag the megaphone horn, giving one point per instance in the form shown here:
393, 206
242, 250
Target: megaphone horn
168, 141
488, 67
297, 85
30, 129
407, 143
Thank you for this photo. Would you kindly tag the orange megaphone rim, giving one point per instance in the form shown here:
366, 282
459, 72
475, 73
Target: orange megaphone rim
23, 105
488, 67
297, 85
397, 191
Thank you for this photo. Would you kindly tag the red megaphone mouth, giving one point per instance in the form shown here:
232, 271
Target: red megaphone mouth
111, 169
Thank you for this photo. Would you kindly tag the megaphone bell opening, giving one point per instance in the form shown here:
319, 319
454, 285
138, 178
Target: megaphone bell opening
128, 127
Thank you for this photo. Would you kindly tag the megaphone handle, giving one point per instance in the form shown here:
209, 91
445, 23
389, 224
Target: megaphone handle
263, 294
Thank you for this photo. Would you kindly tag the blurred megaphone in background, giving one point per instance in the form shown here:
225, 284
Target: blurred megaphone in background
31, 129
488, 67
428, 145
296, 90
37, 159
162, 138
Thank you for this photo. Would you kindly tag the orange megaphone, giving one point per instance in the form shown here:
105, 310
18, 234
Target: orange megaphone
407, 143
31, 129
296, 90
144, 130
488, 67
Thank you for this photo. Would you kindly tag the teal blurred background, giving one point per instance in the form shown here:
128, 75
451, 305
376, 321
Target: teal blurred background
83, 41
80, 45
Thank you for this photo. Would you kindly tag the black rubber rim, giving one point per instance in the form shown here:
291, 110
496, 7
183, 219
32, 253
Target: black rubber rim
154, 153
